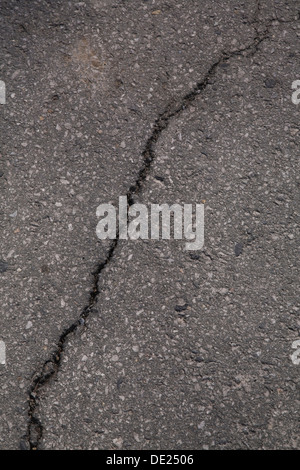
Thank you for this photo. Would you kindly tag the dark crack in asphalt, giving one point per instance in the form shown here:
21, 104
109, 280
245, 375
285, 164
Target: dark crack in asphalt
32, 439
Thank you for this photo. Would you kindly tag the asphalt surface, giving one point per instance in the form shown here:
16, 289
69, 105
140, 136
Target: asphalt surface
142, 344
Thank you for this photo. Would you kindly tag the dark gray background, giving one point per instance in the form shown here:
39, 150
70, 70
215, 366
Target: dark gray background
86, 82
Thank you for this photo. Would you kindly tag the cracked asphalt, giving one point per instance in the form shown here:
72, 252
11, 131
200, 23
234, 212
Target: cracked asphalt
142, 344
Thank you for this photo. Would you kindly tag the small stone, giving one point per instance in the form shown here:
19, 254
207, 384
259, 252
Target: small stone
223, 291
194, 256
270, 82
118, 442
3, 266
199, 359
181, 308
29, 325
159, 178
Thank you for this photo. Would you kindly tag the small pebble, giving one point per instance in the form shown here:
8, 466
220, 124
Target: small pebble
238, 249
3, 266
270, 83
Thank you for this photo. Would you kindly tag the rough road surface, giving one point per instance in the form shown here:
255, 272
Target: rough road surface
142, 344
